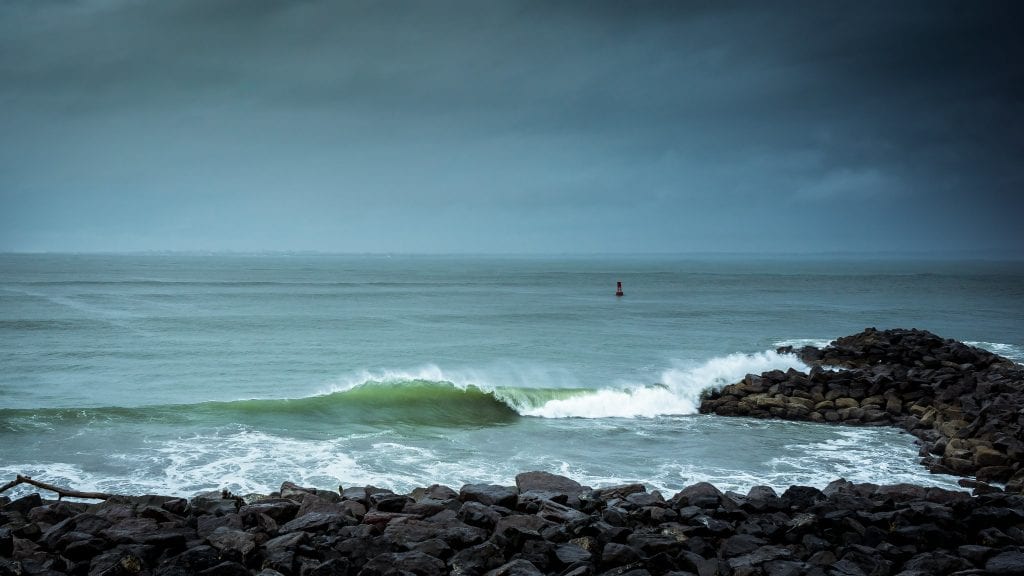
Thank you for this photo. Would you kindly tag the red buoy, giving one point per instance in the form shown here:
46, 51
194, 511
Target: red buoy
618, 289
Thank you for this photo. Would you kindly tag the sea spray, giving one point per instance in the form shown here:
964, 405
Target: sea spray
677, 394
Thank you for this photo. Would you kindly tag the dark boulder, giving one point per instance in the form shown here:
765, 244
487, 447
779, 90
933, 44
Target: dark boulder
490, 494
232, 544
1010, 563
701, 495
517, 567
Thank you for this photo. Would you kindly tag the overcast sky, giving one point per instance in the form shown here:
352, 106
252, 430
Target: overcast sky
511, 126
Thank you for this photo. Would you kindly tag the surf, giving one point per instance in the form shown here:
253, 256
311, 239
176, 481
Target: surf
427, 397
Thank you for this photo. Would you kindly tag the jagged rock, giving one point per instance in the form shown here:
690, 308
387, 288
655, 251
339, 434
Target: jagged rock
701, 494
490, 494
758, 557
521, 527
572, 553
518, 567
226, 568
116, 563
477, 514
214, 503
207, 524
547, 484
434, 492
617, 492
282, 510
434, 547
389, 502
232, 544
317, 521
959, 400
403, 562
477, 559
1006, 563
332, 567
190, 561
618, 555
741, 544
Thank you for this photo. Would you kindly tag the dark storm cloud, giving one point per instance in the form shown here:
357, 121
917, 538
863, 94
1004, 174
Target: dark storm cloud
510, 126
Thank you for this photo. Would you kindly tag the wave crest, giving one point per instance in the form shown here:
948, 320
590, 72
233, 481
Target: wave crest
678, 393
431, 397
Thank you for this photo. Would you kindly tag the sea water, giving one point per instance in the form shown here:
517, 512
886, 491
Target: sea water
173, 373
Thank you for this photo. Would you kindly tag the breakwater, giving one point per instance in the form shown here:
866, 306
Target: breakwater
545, 524
961, 402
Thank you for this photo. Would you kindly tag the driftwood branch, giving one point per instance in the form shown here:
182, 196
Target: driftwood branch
61, 492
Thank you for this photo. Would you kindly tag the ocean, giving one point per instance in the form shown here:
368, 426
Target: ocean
175, 373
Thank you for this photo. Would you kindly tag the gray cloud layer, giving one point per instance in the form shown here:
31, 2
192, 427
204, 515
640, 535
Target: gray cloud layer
511, 126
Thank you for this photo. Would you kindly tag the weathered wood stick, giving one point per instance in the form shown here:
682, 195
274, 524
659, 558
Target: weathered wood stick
61, 492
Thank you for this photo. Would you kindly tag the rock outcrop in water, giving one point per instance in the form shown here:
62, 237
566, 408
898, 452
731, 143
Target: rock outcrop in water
545, 524
963, 403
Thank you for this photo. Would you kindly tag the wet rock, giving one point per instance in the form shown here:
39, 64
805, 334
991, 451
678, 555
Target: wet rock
24, 505
550, 485
521, 527
618, 555
226, 568
403, 562
292, 491
191, 561
116, 563
490, 494
957, 399
741, 544
434, 547
11, 568
207, 524
477, 559
6, 542
572, 553
701, 495
477, 514
434, 492
389, 502
1006, 563
214, 503
280, 559
515, 568
317, 522
232, 544
758, 557
281, 510
617, 492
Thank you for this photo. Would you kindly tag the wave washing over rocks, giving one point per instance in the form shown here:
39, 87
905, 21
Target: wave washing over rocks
964, 403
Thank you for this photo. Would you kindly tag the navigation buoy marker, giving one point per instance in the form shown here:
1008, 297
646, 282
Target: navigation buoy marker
618, 288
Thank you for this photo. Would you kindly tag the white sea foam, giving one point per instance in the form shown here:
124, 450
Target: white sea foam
1011, 351
505, 375
244, 460
801, 342
679, 393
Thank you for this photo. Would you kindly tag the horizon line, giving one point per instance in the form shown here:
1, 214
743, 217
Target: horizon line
888, 254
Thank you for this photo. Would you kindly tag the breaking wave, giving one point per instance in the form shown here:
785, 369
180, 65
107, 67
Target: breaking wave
433, 398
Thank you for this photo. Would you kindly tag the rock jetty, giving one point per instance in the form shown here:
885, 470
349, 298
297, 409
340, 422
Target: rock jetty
963, 403
545, 524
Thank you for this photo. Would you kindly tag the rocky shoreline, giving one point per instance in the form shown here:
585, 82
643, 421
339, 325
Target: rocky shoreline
546, 524
963, 403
